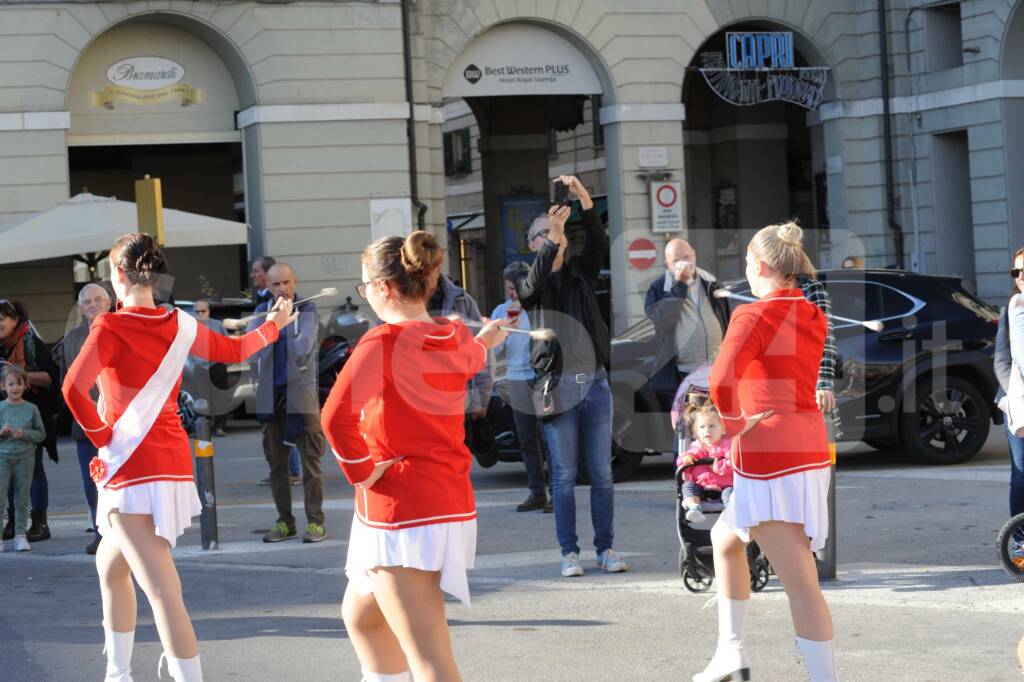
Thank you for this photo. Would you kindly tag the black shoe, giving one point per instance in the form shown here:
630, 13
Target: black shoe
549, 507
39, 530
532, 503
9, 528
94, 545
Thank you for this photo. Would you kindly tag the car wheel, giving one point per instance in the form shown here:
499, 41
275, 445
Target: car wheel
948, 423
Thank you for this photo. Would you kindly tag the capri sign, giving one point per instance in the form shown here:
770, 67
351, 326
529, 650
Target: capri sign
761, 67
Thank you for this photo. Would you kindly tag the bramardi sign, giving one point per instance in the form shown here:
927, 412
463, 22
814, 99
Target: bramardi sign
760, 67
145, 80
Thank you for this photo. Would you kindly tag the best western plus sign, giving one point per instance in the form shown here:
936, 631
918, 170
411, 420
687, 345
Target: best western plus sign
642, 254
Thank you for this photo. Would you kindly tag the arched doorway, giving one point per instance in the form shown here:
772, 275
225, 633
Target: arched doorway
157, 94
752, 159
515, 94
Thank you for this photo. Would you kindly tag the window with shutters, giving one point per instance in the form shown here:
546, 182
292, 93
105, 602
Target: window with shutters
457, 158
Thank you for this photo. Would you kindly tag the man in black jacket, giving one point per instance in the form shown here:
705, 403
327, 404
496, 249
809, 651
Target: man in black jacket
573, 399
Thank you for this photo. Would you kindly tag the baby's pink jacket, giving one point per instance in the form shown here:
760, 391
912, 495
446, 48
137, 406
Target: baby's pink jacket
717, 476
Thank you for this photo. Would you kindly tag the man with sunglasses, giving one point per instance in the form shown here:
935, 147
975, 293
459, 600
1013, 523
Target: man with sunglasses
572, 395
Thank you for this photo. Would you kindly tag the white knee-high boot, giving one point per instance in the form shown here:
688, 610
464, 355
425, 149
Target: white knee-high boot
386, 677
118, 648
729, 663
819, 657
181, 669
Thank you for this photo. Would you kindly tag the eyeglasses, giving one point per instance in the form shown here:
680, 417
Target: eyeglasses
542, 234
1014, 273
361, 288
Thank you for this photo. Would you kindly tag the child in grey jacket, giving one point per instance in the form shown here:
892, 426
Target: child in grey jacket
21, 431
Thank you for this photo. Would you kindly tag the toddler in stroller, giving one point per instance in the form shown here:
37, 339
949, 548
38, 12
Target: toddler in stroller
698, 495
708, 441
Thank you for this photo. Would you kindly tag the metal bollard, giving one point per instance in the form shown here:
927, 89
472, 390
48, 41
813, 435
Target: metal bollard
205, 485
826, 558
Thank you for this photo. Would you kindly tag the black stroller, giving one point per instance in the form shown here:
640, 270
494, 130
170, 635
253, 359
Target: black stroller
696, 562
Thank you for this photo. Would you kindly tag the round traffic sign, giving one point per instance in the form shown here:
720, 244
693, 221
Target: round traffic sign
642, 254
666, 195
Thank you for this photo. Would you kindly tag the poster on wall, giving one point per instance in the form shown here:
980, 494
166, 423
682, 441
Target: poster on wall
517, 212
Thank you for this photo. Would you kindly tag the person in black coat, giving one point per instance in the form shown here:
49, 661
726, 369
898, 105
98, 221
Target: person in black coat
20, 345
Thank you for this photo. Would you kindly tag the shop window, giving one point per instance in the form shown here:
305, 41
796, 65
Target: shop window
943, 37
595, 116
457, 159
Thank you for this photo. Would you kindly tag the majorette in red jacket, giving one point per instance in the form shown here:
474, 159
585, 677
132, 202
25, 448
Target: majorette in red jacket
401, 395
769, 361
122, 351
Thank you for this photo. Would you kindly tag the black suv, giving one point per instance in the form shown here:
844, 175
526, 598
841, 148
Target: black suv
924, 382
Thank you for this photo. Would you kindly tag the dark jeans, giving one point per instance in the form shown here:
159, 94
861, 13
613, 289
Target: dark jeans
311, 448
40, 488
589, 416
528, 433
86, 451
1016, 473
293, 462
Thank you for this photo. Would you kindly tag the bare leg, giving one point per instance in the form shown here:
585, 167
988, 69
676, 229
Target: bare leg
116, 588
789, 551
375, 644
732, 573
149, 557
413, 604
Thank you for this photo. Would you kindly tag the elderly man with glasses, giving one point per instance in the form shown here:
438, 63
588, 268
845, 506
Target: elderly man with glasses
690, 320
93, 300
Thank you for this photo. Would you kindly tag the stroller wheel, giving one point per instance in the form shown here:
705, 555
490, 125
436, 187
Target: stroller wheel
759, 575
1010, 542
696, 583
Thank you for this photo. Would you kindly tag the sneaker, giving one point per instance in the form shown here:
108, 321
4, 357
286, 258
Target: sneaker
314, 533
694, 515
94, 545
8, 533
21, 544
295, 480
219, 433
280, 532
609, 562
532, 503
571, 565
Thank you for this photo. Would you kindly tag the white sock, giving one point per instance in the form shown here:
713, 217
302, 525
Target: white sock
118, 648
819, 658
387, 677
732, 617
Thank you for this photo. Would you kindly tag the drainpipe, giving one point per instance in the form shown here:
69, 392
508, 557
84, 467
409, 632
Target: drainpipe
421, 208
890, 189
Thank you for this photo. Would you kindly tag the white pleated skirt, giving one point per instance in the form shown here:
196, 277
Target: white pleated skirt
797, 498
446, 547
172, 504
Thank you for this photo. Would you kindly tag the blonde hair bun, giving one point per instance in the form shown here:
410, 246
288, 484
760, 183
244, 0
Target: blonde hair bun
790, 233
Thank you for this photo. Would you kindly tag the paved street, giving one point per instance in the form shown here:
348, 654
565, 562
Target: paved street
920, 594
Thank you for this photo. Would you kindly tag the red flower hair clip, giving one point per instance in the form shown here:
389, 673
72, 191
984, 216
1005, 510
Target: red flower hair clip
97, 469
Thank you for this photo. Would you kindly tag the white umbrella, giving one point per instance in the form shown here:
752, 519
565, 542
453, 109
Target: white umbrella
86, 223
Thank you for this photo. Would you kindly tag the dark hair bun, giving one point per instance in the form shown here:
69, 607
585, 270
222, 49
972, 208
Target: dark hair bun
139, 256
421, 254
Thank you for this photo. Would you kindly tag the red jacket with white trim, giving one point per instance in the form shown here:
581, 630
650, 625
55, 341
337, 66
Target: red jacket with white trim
122, 351
769, 361
401, 395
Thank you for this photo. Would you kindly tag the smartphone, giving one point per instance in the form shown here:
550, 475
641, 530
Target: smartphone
562, 197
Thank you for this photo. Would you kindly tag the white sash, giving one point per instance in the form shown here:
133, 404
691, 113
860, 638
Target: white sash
133, 426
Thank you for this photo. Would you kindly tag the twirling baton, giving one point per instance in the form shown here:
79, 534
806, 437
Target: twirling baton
873, 325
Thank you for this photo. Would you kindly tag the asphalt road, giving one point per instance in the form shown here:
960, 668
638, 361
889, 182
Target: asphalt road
920, 595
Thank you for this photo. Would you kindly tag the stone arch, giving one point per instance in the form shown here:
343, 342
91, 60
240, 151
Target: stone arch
229, 53
1011, 63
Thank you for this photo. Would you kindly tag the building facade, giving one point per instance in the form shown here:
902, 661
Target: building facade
298, 118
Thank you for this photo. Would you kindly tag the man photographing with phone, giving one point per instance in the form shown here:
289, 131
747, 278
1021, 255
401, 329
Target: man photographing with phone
572, 396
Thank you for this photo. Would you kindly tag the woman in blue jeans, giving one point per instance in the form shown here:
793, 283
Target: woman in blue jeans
1004, 353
